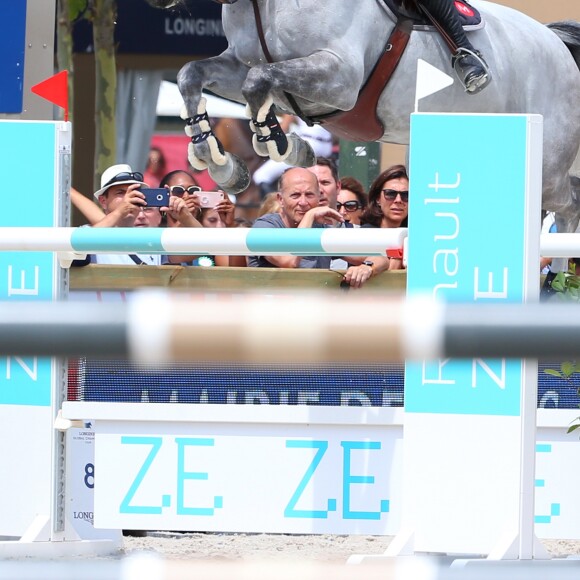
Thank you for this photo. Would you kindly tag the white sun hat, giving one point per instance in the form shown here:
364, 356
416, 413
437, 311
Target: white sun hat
121, 174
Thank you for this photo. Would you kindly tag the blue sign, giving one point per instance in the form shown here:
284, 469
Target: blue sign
12, 46
466, 244
194, 28
27, 192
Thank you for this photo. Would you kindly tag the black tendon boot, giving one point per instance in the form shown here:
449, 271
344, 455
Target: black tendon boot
468, 63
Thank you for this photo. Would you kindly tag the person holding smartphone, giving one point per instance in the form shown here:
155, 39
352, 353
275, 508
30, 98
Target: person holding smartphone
124, 203
212, 209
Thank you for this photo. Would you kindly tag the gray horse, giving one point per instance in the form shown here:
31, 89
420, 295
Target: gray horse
322, 52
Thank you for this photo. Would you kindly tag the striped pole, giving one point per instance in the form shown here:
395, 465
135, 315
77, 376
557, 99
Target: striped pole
234, 241
204, 241
159, 327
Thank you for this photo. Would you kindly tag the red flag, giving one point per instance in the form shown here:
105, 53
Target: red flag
55, 90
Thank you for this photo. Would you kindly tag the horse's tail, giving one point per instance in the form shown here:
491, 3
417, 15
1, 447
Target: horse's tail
569, 33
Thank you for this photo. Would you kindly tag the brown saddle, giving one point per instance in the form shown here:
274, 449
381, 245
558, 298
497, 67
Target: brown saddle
361, 122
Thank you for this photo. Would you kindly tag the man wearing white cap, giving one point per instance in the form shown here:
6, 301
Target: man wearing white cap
119, 196
124, 206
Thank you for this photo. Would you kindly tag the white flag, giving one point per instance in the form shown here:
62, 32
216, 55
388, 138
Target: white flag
429, 80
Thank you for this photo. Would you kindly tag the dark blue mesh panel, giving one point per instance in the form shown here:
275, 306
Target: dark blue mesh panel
340, 384
556, 393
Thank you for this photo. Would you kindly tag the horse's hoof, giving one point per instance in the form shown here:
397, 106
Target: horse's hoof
194, 160
261, 149
208, 151
233, 177
301, 152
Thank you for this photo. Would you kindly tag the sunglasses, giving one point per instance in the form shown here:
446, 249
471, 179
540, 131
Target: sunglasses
179, 190
124, 177
391, 195
348, 205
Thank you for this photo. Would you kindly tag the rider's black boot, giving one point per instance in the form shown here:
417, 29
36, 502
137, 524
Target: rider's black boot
467, 62
471, 69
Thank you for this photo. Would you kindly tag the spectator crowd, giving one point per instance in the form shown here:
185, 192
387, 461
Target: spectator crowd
313, 197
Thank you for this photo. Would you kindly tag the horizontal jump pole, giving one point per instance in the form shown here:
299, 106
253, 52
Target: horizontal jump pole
157, 327
234, 241
206, 241
560, 245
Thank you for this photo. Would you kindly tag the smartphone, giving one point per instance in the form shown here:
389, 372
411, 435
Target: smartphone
156, 197
210, 198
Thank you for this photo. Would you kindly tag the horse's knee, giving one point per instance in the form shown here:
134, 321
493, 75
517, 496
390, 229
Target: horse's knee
189, 77
259, 82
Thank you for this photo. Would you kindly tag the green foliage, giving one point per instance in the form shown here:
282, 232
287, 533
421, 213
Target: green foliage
567, 285
77, 9
567, 369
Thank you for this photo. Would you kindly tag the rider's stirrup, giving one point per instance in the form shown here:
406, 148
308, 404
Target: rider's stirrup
471, 69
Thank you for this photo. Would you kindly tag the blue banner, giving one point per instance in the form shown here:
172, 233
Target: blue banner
12, 46
466, 244
27, 190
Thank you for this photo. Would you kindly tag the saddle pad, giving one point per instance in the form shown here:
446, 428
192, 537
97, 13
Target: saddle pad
469, 16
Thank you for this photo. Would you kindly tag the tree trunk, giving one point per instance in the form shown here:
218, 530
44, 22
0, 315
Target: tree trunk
104, 17
64, 48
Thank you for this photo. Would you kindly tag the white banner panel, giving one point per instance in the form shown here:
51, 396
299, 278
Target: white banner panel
281, 471
247, 478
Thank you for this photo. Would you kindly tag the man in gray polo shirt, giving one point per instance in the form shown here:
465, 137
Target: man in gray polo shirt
299, 195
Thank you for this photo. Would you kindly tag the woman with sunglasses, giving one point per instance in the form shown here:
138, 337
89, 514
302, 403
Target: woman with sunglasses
351, 200
388, 200
388, 208
182, 184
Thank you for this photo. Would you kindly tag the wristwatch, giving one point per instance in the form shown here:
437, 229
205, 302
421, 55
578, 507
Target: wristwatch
370, 264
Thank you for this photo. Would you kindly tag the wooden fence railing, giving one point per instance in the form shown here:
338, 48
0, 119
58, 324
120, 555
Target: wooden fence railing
101, 277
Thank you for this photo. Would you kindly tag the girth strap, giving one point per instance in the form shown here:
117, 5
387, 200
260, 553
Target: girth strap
361, 123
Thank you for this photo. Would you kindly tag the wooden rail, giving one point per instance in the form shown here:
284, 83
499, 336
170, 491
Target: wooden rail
101, 277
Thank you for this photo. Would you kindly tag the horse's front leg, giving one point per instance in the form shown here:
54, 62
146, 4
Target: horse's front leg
270, 141
322, 78
224, 75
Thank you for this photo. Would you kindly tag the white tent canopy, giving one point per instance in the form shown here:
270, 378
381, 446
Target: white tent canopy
169, 104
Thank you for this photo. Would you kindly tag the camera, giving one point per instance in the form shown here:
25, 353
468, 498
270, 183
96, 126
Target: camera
208, 199
156, 197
